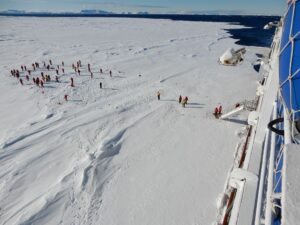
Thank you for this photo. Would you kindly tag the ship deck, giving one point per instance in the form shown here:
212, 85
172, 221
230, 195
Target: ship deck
291, 186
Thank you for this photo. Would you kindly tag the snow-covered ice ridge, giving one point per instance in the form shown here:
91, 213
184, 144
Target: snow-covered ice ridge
117, 155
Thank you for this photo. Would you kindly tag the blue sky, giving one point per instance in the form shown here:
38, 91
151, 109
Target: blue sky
269, 7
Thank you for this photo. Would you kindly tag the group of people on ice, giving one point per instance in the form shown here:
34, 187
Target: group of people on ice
76, 67
218, 111
39, 80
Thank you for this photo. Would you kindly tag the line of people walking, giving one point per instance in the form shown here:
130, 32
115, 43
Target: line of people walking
184, 101
181, 100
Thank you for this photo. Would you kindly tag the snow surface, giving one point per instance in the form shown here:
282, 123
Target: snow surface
117, 155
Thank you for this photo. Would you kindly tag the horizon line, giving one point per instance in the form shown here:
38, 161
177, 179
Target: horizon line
99, 12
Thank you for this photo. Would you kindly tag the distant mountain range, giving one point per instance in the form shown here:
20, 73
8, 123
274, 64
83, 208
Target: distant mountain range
83, 12
93, 11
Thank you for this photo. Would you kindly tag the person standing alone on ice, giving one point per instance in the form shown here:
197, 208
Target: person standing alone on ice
158, 95
100, 85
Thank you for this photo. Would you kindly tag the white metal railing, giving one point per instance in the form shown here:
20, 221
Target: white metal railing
274, 151
258, 219
269, 197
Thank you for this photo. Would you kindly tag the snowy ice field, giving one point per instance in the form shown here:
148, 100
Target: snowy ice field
117, 156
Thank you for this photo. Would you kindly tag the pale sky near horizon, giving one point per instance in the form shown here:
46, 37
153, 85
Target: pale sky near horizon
267, 7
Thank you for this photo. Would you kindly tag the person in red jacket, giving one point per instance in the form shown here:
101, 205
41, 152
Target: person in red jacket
66, 97
220, 110
216, 111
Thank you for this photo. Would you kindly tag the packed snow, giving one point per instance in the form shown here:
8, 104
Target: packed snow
117, 155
